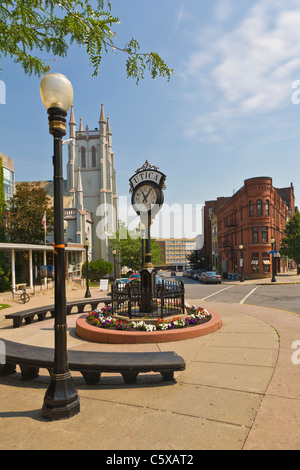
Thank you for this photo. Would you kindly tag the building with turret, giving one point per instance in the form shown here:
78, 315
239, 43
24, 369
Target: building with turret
91, 204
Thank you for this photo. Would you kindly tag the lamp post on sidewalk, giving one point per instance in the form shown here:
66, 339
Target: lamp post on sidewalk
242, 263
273, 261
87, 292
61, 400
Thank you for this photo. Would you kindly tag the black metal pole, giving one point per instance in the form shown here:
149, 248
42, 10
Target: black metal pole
87, 292
61, 400
242, 267
273, 265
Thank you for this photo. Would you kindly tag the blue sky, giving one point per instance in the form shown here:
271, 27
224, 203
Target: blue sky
226, 115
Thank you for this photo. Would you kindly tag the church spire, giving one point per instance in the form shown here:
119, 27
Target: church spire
108, 126
102, 116
72, 117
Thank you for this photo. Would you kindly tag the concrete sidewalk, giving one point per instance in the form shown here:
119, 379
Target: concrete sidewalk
240, 390
290, 277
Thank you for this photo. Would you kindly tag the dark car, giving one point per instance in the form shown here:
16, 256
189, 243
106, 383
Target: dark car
211, 277
173, 273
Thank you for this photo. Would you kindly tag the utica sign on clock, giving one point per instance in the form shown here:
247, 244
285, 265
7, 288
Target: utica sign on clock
153, 176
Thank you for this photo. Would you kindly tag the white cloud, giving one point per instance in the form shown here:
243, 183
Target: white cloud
250, 68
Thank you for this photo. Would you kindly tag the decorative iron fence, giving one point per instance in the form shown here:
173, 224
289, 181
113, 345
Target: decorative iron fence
169, 296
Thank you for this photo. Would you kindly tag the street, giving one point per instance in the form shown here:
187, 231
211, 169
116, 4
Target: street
278, 296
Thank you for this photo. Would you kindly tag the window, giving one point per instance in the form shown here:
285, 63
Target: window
266, 262
255, 235
251, 209
93, 157
83, 159
264, 231
267, 206
258, 207
255, 262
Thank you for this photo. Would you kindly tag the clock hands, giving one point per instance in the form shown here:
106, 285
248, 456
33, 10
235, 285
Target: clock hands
145, 197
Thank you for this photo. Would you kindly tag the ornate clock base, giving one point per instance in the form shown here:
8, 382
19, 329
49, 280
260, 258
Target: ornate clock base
149, 294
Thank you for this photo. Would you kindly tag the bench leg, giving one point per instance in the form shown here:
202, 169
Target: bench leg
17, 322
129, 377
29, 320
29, 372
41, 316
90, 377
168, 375
7, 369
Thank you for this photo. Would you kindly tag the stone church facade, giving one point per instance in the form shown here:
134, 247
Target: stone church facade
90, 203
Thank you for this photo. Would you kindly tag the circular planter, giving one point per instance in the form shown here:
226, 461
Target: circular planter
106, 335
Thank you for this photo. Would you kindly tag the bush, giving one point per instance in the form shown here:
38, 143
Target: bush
97, 269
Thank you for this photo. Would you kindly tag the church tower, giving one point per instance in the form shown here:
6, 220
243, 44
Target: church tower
92, 182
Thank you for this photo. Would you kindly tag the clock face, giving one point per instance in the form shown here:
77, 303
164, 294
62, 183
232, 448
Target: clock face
144, 198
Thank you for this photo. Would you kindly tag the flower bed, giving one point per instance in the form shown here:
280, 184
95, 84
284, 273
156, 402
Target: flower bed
102, 318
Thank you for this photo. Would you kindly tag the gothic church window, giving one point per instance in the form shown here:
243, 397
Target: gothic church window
83, 158
93, 157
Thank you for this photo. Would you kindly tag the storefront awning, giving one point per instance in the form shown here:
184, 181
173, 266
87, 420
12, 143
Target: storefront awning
266, 261
255, 261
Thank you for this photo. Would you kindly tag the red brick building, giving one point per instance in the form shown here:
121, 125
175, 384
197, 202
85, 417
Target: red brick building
253, 216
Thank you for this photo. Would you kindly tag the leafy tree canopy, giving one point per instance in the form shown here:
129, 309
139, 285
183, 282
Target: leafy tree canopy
97, 269
290, 244
128, 245
29, 27
25, 214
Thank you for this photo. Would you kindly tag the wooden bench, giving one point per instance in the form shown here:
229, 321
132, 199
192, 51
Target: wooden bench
90, 363
41, 312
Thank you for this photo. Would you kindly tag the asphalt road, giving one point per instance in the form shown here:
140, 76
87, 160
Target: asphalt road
281, 297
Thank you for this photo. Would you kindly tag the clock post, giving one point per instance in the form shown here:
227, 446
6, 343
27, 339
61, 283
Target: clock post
147, 187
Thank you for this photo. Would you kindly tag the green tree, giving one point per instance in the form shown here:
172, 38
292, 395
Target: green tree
290, 244
25, 214
128, 244
5, 272
97, 269
197, 260
28, 27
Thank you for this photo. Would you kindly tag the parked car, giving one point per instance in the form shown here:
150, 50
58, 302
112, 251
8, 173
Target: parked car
173, 273
211, 277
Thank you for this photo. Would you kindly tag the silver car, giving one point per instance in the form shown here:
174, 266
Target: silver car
211, 277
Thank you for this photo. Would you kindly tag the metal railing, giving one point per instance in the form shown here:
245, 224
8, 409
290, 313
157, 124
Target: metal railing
126, 299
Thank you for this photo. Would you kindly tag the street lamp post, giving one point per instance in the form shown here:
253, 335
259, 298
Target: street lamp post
87, 292
242, 263
61, 400
114, 252
273, 261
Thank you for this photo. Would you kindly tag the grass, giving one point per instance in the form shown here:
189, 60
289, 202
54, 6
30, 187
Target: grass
2, 306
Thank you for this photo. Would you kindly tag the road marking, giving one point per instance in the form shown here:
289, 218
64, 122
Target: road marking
248, 295
215, 293
273, 308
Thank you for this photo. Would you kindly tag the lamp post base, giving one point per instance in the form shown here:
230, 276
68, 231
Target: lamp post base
61, 400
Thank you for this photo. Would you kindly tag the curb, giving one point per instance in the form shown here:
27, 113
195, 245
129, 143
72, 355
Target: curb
102, 335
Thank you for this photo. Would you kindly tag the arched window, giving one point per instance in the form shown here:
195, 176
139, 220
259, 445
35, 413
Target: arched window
83, 158
93, 157
251, 209
267, 207
258, 207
